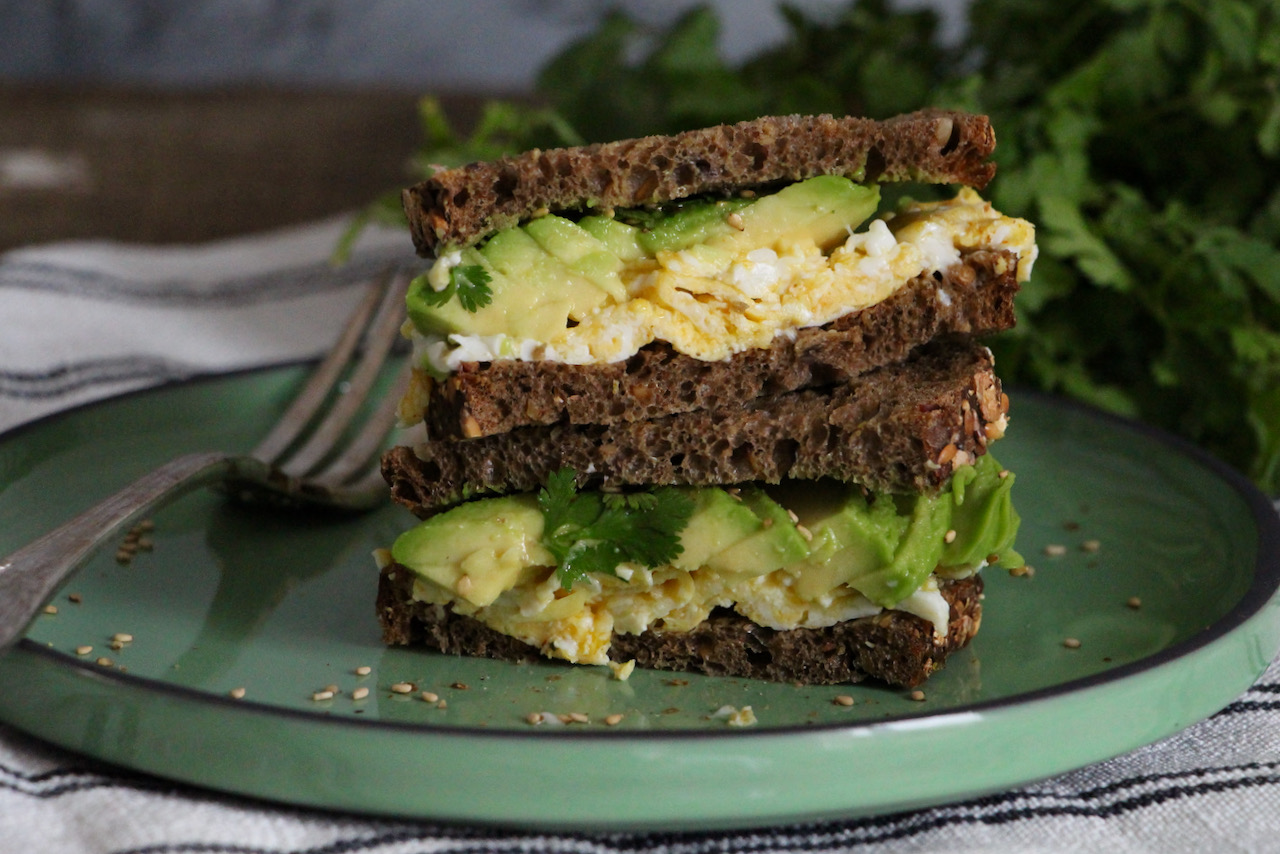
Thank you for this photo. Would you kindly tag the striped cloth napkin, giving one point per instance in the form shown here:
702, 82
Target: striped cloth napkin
83, 321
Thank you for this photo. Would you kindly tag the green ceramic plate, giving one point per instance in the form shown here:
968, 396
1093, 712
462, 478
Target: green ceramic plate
281, 606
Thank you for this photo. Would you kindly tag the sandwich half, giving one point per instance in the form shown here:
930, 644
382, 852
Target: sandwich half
707, 402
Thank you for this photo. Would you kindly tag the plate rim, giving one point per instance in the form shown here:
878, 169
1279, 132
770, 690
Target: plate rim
1263, 590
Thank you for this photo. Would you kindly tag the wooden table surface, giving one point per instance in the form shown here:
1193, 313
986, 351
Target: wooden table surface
180, 166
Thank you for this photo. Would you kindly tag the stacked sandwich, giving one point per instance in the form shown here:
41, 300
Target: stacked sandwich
708, 403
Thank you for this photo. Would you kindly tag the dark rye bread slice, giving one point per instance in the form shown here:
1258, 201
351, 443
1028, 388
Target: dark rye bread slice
893, 646
899, 428
457, 207
974, 297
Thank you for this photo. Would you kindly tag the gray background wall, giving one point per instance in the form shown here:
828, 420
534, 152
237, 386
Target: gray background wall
490, 45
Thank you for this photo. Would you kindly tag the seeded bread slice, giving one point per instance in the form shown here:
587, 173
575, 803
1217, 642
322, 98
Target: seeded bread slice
974, 297
894, 646
899, 428
457, 207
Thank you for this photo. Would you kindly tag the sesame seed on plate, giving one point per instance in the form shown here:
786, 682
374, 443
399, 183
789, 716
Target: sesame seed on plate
402, 688
236, 693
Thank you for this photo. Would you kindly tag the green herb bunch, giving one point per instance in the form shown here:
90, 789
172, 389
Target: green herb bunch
1141, 136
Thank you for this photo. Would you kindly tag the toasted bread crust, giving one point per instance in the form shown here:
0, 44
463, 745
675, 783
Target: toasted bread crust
457, 207
899, 428
893, 647
974, 297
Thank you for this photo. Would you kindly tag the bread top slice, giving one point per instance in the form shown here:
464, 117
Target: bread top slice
901, 428
974, 297
458, 207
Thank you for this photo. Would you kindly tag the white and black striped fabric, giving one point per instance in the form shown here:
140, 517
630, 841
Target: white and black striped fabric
79, 322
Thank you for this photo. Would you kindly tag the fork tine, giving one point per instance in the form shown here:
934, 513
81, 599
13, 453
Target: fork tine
383, 333
323, 378
365, 447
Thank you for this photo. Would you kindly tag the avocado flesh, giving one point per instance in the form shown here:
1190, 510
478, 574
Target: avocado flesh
534, 293
551, 270
885, 547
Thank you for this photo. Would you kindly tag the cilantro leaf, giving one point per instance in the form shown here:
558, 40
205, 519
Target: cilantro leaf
587, 532
471, 283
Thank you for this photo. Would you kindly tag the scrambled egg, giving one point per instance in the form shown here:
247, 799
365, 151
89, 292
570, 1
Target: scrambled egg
710, 304
579, 625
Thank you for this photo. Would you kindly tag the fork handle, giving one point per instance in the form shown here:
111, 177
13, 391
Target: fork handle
30, 575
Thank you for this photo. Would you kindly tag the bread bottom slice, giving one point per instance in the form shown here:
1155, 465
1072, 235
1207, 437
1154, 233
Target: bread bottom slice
893, 646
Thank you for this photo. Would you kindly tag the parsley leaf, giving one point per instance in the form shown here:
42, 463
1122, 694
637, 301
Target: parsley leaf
590, 532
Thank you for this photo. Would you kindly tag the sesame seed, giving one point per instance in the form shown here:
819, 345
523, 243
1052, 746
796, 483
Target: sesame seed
146, 525
735, 221
122, 637
236, 693
146, 544
766, 522
792, 515
402, 688
461, 686
1090, 546
917, 695
443, 704
364, 670
843, 700
613, 719
1134, 602
949, 536
359, 693
322, 695
116, 645
105, 662
463, 585
430, 696
1019, 571
805, 532
1071, 643
74, 597
1055, 550
533, 718
1003, 474
332, 689
51, 609
579, 718
123, 556
84, 650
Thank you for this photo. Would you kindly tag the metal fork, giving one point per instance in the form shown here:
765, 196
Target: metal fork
304, 460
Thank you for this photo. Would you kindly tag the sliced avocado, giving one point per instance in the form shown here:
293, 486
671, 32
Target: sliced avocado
775, 544
983, 516
619, 238
916, 556
491, 542
719, 520
451, 317
549, 293
580, 252
695, 222
853, 536
823, 210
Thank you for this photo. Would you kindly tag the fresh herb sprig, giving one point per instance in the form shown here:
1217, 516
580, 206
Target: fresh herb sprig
469, 282
590, 532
